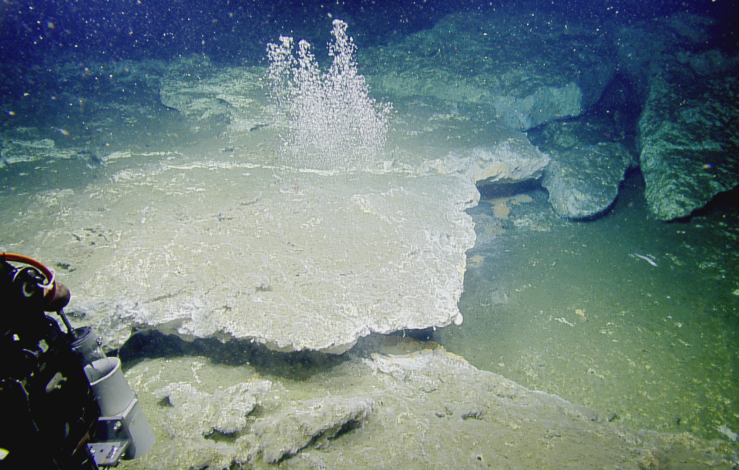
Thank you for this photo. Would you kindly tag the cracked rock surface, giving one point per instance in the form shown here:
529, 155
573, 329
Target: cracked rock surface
426, 409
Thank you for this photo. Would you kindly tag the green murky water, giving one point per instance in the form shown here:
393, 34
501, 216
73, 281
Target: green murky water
568, 308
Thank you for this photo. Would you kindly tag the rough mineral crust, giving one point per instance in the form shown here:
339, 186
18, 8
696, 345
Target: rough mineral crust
510, 160
201, 91
689, 135
17, 150
292, 259
223, 411
425, 410
583, 182
288, 432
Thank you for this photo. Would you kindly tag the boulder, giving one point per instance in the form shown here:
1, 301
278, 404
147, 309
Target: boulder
689, 134
584, 182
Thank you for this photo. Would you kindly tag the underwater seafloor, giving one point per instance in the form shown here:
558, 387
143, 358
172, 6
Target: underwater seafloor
568, 308
559, 306
556, 305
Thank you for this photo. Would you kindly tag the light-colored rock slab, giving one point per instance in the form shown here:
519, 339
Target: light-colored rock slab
296, 260
511, 160
18, 150
200, 90
425, 410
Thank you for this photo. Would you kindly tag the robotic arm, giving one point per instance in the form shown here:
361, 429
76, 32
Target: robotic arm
64, 404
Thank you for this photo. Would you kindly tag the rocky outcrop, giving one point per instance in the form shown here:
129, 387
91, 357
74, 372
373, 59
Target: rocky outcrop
644, 47
526, 70
689, 134
687, 129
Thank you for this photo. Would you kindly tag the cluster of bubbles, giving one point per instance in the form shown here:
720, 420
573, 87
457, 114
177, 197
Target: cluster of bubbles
332, 122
